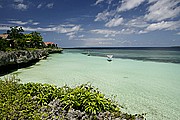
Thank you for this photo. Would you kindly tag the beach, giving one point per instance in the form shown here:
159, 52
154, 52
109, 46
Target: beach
141, 87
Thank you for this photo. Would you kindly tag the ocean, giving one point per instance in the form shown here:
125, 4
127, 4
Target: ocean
156, 54
144, 80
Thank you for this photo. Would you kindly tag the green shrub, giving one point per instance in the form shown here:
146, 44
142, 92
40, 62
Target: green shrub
24, 101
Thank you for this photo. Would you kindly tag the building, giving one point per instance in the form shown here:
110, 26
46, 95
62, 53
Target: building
50, 44
4, 36
11, 43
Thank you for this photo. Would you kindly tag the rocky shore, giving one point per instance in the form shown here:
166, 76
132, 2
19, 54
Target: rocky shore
13, 60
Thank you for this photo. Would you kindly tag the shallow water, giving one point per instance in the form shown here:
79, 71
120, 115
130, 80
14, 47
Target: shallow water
142, 87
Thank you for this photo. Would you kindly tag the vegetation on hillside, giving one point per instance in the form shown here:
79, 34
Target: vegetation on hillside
4, 44
18, 40
44, 101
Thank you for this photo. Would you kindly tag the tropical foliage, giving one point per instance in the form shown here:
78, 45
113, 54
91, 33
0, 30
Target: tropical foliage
18, 40
4, 44
15, 33
25, 101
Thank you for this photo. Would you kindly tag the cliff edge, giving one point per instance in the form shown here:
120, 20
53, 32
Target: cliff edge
13, 60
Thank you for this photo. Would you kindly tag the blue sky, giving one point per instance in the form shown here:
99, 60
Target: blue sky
92, 23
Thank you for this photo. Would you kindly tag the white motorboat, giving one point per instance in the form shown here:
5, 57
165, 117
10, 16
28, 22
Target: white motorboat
109, 57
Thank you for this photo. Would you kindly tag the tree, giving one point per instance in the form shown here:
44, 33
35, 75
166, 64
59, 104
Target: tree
37, 39
17, 36
3, 44
15, 33
28, 38
23, 41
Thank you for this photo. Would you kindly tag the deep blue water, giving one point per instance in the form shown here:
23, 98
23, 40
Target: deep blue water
156, 54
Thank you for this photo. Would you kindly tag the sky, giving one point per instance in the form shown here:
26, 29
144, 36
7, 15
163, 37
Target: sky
96, 23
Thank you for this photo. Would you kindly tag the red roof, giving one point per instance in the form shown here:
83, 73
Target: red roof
4, 36
48, 43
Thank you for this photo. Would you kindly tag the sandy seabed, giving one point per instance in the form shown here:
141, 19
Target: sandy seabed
141, 87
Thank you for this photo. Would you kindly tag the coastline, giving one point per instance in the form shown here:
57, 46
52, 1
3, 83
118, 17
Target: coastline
12, 60
142, 87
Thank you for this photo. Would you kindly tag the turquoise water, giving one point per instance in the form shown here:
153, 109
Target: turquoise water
142, 87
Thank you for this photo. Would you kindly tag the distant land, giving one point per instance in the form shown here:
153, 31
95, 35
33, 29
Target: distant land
176, 48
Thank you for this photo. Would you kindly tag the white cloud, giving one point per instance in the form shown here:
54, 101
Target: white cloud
50, 5
129, 4
105, 32
113, 19
178, 33
67, 25
18, 22
170, 25
81, 36
109, 1
97, 39
31, 29
35, 23
40, 29
162, 9
61, 29
30, 21
98, 1
21, 1
1, 6
137, 23
4, 27
114, 22
127, 31
151, 1
70, 30
58, 29
39, 6
105, 1
104, 16
71, 35
20, 6
142, 32
159, 16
